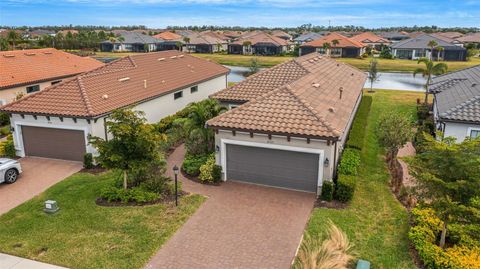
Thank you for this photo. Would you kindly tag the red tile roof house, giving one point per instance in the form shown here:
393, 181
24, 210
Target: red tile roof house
372, 40
288, 124
55, 122
346, 47
259, 43
28, 71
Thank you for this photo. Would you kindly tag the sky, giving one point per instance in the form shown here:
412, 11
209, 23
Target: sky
268, 13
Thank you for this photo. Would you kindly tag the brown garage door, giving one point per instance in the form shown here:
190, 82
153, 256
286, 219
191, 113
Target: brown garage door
54, 143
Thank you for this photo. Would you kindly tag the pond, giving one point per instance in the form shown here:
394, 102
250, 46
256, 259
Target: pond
387, 80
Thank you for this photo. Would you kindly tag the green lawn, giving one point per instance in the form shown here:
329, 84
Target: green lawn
84, 235
375, 221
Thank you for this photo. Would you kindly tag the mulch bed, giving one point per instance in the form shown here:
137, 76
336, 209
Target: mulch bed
165, 199
94, 171
333, 204
197, 180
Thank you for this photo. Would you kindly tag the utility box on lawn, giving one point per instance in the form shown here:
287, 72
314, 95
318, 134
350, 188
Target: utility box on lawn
362, 264
50, 206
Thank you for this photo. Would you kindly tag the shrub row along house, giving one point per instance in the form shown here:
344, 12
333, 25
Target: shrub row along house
457, 103
288, 124
56, 121
28, 71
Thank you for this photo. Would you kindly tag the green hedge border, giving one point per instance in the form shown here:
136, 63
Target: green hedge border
356, 137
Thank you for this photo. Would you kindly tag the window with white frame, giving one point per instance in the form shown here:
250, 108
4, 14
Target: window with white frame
475, 133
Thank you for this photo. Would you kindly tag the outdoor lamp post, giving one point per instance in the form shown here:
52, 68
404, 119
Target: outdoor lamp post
175, 171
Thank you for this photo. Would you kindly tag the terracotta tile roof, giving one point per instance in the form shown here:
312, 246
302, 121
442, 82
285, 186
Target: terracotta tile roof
22, 67
261, 37
369, 37
309, 106
168, 36
217, 35
344, 42
473, 38
121, 83
452, 35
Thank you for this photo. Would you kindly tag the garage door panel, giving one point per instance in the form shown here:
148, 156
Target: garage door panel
54, 143
280, 168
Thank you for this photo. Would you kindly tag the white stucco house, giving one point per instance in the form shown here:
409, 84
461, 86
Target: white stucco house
56, 121
456, 105
287, 125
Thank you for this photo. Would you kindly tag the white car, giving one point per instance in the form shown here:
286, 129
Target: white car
9, 170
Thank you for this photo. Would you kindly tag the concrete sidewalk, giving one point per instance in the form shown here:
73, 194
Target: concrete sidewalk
13, 262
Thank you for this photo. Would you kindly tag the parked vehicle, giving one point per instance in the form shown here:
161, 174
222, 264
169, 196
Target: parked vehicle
9, 170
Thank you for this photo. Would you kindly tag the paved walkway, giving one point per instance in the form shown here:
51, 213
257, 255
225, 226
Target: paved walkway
13, 262
38, 175
239, 226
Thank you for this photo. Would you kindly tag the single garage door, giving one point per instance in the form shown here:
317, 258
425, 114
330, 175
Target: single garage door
272, 167
53, 143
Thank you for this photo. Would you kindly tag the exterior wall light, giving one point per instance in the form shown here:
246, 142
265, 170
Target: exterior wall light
326, 163
217, 148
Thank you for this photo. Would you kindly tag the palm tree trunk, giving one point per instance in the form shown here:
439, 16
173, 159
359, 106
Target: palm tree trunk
443, 235
125, 183
426, 89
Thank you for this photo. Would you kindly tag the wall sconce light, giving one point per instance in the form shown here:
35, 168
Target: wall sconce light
326, 162
217, 148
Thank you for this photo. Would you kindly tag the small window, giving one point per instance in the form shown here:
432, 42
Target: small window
177, 95
194, 89
34, 88
56, 82
475, 133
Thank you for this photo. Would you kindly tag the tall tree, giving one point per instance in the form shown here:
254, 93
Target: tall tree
335, 42
13, 37
432, 44
373, 72
428, 71
326, 47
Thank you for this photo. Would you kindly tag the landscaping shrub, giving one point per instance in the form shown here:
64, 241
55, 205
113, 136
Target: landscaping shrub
427, 226
137, 195
350, 162
4, 119
191, 164
357, 133
327, 191
210, 172
7, 148
5, 130
345, 188
88, 161
422, 112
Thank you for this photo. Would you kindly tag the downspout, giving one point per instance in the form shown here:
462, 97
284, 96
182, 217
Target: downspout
335, 163
105, 128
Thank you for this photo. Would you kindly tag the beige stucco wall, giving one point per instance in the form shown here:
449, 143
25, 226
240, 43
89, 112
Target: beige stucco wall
8, 95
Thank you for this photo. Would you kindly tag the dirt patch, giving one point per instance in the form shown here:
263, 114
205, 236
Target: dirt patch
165, 199
94, 171
332, 204
197, 180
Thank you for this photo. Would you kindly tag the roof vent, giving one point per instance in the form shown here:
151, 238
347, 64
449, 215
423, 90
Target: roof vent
8, 55
105, 97
161, 59
474, 85
180, 56
341, 92
331, 109
47, 52
353, 74
173, 57
123, 79
145, 83
163, 81
30, 53
316, 85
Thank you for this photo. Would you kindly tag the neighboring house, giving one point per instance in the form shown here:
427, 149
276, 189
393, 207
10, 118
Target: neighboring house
35, 34
259, 43
131, 41
470, 39
233, 34
28, 71
452, 35
56, 122
346, 47
307, 37
394, 36
372, 40
203, 43
288, 124
281, 34
416, 48
216, 34
171, 41
65, 32
456, 103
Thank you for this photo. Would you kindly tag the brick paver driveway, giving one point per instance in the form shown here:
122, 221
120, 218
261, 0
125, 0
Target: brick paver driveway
239, 226
38, 174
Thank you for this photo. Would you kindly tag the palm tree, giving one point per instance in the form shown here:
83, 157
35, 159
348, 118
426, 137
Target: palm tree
430, 69
439, 50
432, 44
335, 42
12, 38
326, 47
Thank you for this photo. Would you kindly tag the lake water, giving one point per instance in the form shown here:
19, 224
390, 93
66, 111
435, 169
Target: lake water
387, 80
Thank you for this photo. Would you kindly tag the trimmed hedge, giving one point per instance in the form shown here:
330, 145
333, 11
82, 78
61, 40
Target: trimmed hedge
327, 191
345, 188
191, 164
88, 161
357, 133
350, 162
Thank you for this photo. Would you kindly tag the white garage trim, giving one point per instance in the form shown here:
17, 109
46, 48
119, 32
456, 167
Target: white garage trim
223, 154
19, 136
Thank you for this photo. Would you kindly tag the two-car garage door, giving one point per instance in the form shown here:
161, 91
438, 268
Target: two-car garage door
273, 167
54, 143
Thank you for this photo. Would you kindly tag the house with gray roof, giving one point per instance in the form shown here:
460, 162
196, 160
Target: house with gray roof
417, 47
131, 41
307, 37
456, 105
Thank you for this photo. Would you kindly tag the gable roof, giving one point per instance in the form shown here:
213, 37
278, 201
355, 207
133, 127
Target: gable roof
136, 38
200, 39
121, 83
451, 35
306, 37
281, 34
470, 38
258, 37
369, 37
394, 35
21, 67
318, 101
344, 42
457, 95
168, 36
421, 42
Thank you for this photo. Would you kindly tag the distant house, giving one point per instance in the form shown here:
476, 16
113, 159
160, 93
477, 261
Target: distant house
456, 103
131, 41
29, 71
372, 40
65, 32
171, 41
233, 34
394, 36
203, 43
452, 35
40, 32
307, 37
470, 39
216, 34
416, 48
259, 43
346, 47
56, 122
281, 34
